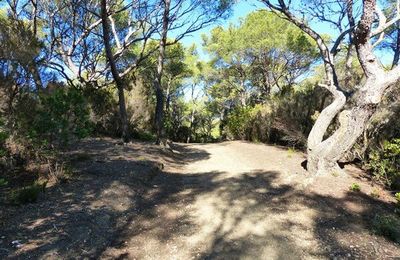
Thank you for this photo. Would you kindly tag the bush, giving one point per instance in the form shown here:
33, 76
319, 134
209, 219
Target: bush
28, 194
3, 182
387, 226
41, 125
144, 136
63, 115
247, 123
3, 138
397, 196
285, 118
355, 187
103, 111
385, 163
238, 121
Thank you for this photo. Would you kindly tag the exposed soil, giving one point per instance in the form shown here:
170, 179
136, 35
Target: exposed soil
231, 200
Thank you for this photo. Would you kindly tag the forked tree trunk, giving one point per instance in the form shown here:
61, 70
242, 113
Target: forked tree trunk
322, 159
323, 155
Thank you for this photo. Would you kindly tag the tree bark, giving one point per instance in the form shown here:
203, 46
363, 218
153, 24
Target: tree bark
190, 126
117, 79
396, 56
168, 96
159, 112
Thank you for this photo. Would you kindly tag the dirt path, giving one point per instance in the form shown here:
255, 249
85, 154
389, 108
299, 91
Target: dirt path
232, 200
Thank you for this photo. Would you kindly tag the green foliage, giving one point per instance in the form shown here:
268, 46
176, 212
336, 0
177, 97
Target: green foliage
103, 110
238, 121
246, 60
18, 43
355, 187
385, 163
28, 194
397, 196
387, 226
144, 136
3, 182
285, 119
61, 116
3, 137
291, 151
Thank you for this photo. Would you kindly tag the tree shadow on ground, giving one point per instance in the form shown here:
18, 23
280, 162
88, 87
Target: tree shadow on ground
253, 198
249, 215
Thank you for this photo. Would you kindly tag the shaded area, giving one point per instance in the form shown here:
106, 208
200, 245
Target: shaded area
112, 212
252, 198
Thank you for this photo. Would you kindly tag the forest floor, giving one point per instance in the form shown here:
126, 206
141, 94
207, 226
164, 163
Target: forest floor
230, 200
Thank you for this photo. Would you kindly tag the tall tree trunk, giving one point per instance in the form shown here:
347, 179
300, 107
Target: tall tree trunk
159, 112
190, 126
118, 80
168, 96
243, 94
191, 120
396, 56
34, 70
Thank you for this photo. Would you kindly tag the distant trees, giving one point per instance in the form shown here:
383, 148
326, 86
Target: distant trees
247, 58
259, 83
181, 18
250, 71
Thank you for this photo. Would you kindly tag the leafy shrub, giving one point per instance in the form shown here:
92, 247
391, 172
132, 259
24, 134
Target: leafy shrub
28, 194
397, 196
291, 151
285, 118
62, 116
3, 138
42, 125
103, 111
3, 182
385, 163
355, 187
238, 122
387, 226
144, 136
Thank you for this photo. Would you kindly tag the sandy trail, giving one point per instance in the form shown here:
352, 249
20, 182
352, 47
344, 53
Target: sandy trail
231, 200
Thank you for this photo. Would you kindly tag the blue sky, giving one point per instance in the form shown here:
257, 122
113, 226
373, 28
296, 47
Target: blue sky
242, 9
